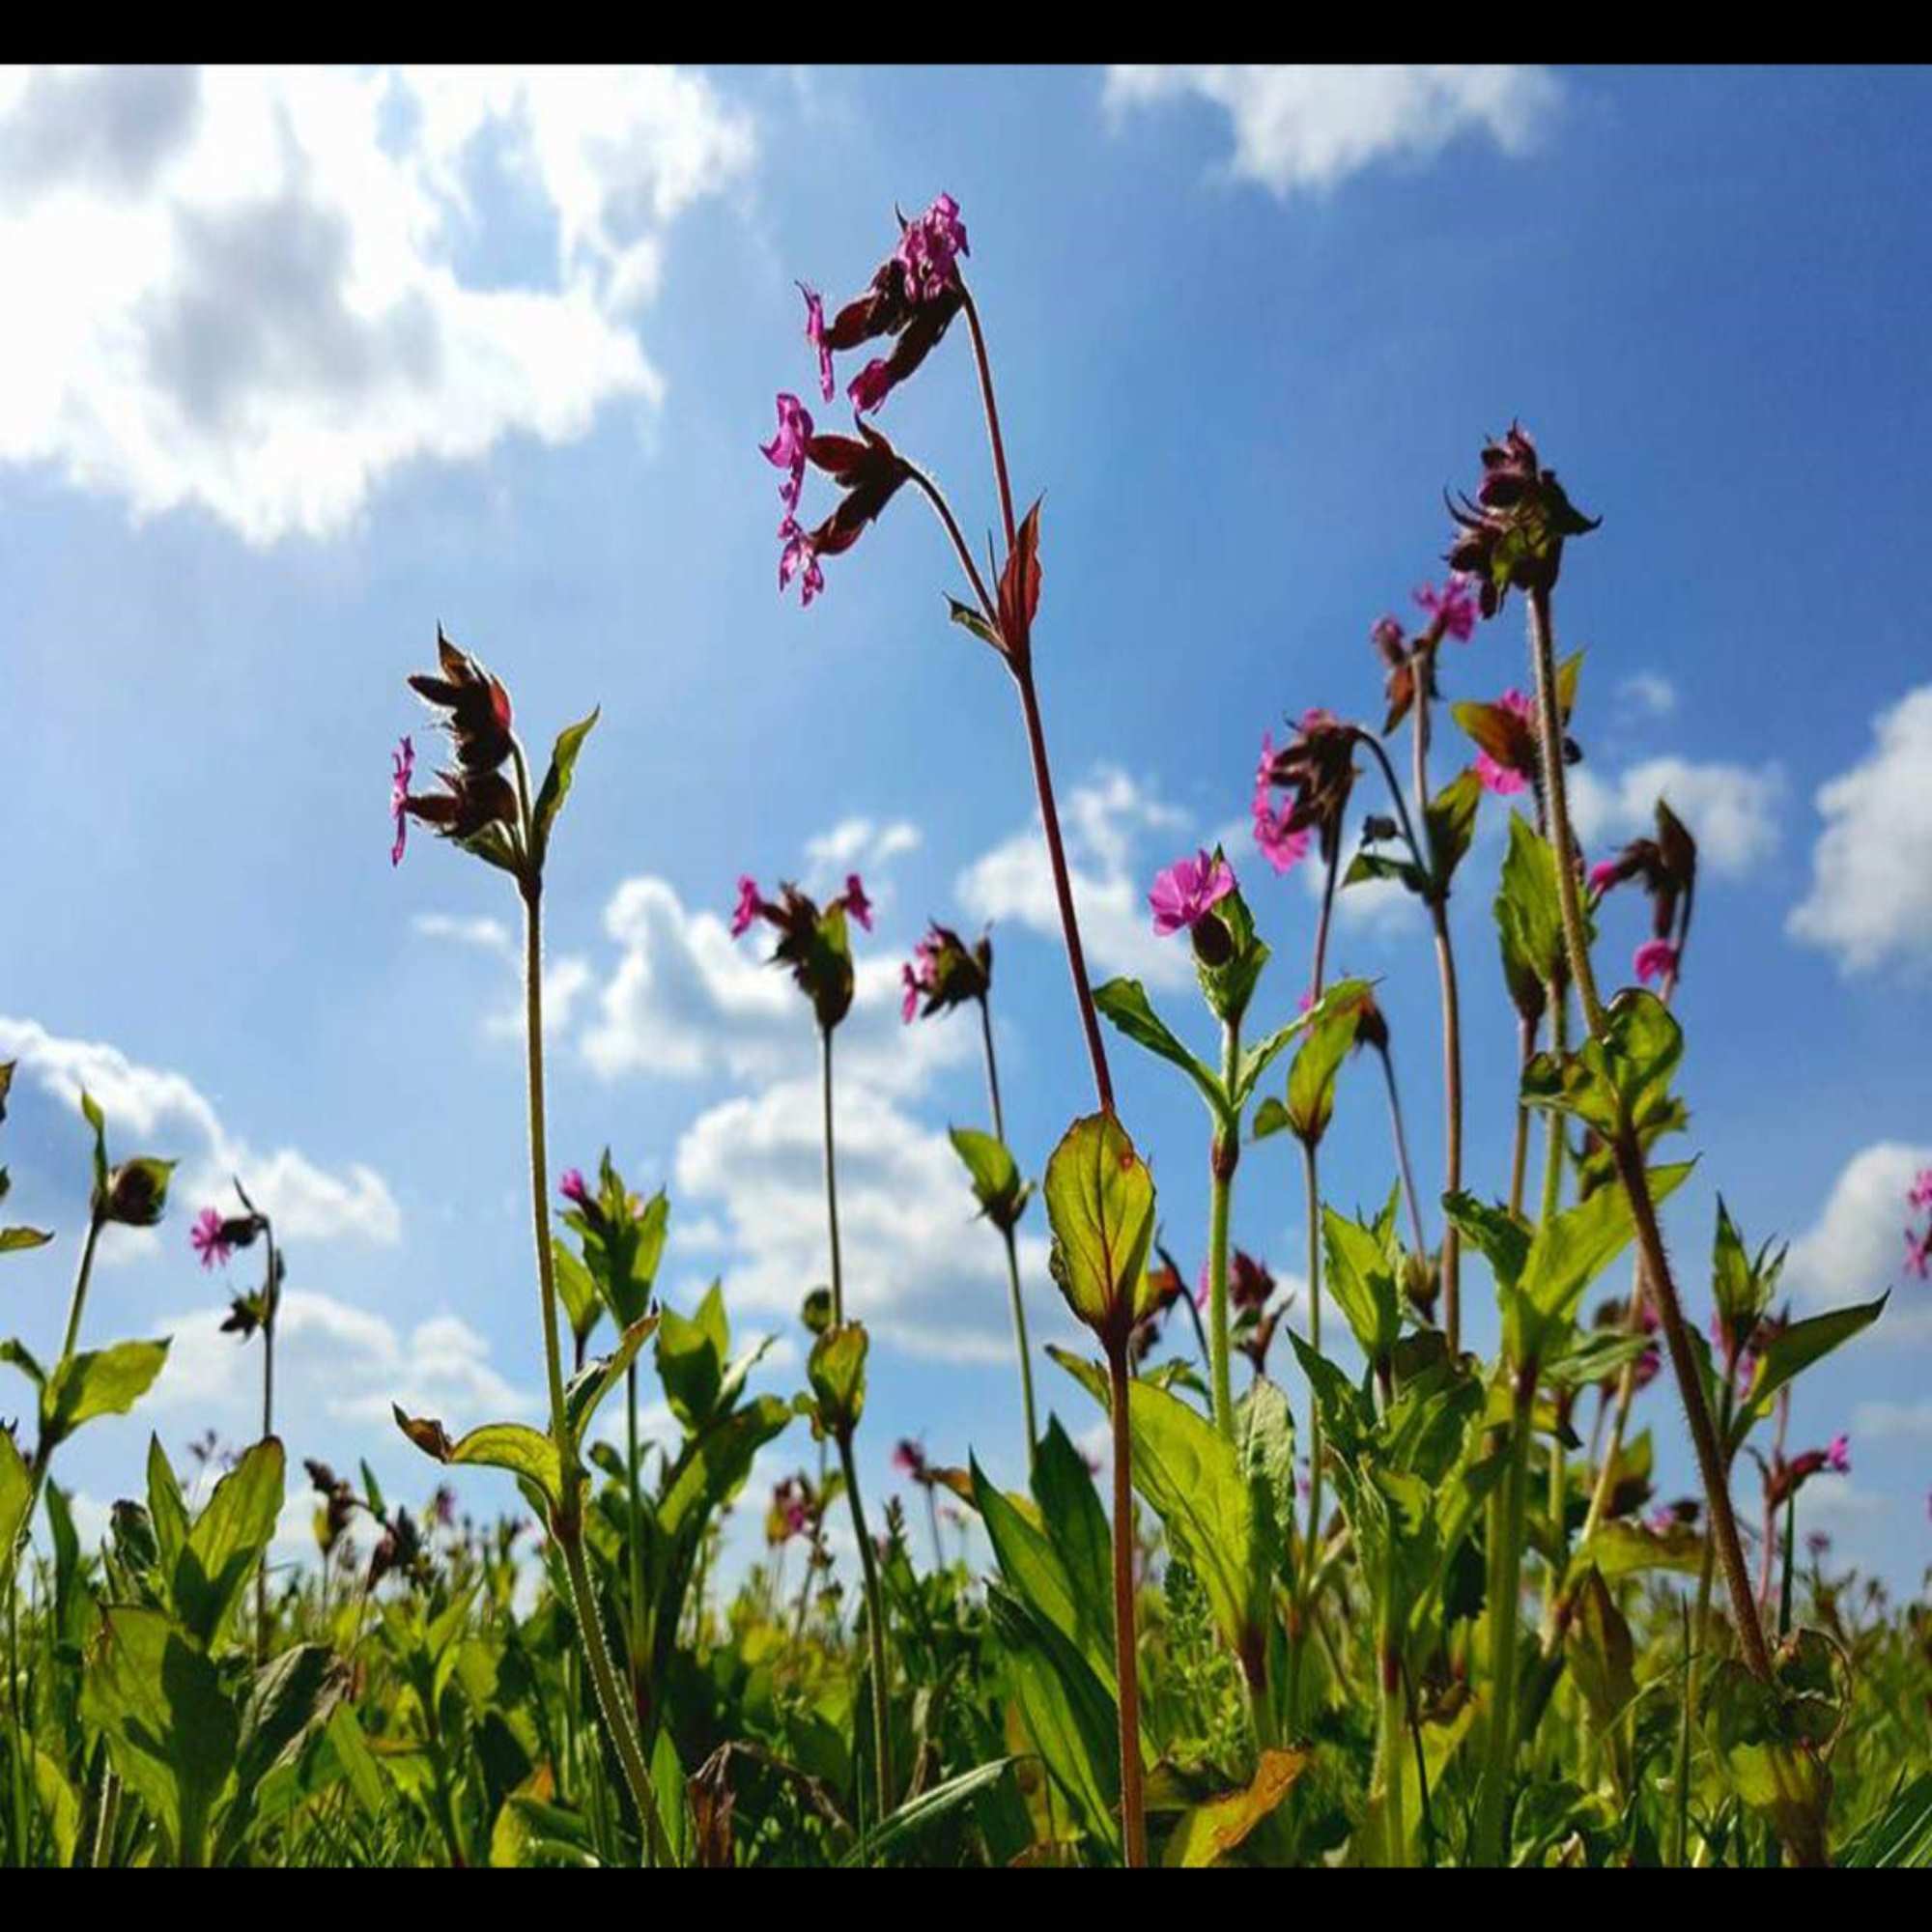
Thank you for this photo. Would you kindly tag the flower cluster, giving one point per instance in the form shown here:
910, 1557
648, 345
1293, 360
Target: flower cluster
1512, 536
476, 795
1666, 867
1317, 767
945, 972
865, 467
812, 943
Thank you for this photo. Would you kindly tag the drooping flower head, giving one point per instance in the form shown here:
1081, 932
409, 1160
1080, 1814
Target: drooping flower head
945, 972
814, 943
1919, 1194
475, 795
909, 1460
814, 333
1838, 1457
1508, 767
1317, 767
206, 1240
402, 768
1188, 890
1666, 865
1281, 847
867, 467
1512, 536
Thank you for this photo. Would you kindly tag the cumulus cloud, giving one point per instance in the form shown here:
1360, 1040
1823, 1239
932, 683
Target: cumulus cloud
1855, 1248
919, 1269
1870, 902
564, 977
1647, 695
259, 290
1731, 810
153, 1111
1311, 128
1105, 823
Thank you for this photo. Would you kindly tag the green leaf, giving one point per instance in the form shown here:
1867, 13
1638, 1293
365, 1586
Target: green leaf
1191, 1477
1124, 1001
1530, 918
1362, 1277
1793, 1351
1449, 822
919, 1814
1311, 1075
228, 1538
515, 1446
1069, 1507
14, 1238
1623, 1076
969, 620
577, 1290
15, 1491
359, 1767
104, 1382
292, 1697
1371, 866
1031, 1568
1100, 1203
691, 1362
555, 786
995, 1175
1620, 1548
711, 1468
592, 1382
91, 1112
835, 1368
171, 1731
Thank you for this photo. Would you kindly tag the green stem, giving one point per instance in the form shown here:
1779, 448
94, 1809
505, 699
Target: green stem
634, 1539
1389, 1749
1493, 1807
271, 1308
1628, 1158
875, 1633
1519, 1140
1224, 1152
831, 1178
619, 1718
1126, 1655
1020, 1344
1401, 1153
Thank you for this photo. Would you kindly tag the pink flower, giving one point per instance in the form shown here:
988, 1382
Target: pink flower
871, 385
814, 333
1656, 959
570, 1184
1920, 1195
929, 251
786, 451
1185, 892
1505, 781
856, 901
914, 993
402, 768
750, 905
909, 1459
799, 554
919, 976
207, 1240
1453, 607
1282, 848
1838, 1457
1605, 875
1918, 1255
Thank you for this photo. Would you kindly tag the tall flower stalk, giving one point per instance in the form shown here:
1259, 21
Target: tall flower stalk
499, 819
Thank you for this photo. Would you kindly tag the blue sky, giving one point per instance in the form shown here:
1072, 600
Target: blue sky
312, 362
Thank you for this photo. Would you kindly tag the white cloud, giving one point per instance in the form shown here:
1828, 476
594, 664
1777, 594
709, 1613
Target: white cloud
335, 1364
1310, 127
1731, 810
1893, 1421
1647, 694
254, 291
564, 977
920, 1269
1104, 823
1870, 902
1855, 1248
151, 1111
856, 844
687, 1001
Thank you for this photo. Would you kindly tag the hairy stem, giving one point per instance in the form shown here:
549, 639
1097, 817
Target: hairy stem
1133, 1818
1223, 1152
1020, 1344
831, 1178
875, 1633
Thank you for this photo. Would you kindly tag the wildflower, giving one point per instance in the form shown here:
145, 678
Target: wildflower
402, 768
1188, 890
1249, 1283
1655, 959
929, 251
866, 466
909, 1460
856, 901
1317, 765
944, 973
1919, 1195
812, 943
1817, 1542
206, 1237
1452, 608
443, 1506
1918, 1254
814, 333
476, 795
1281, 847
1512, 536
787, 449
1838, 1457
750, 905
570, 1184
